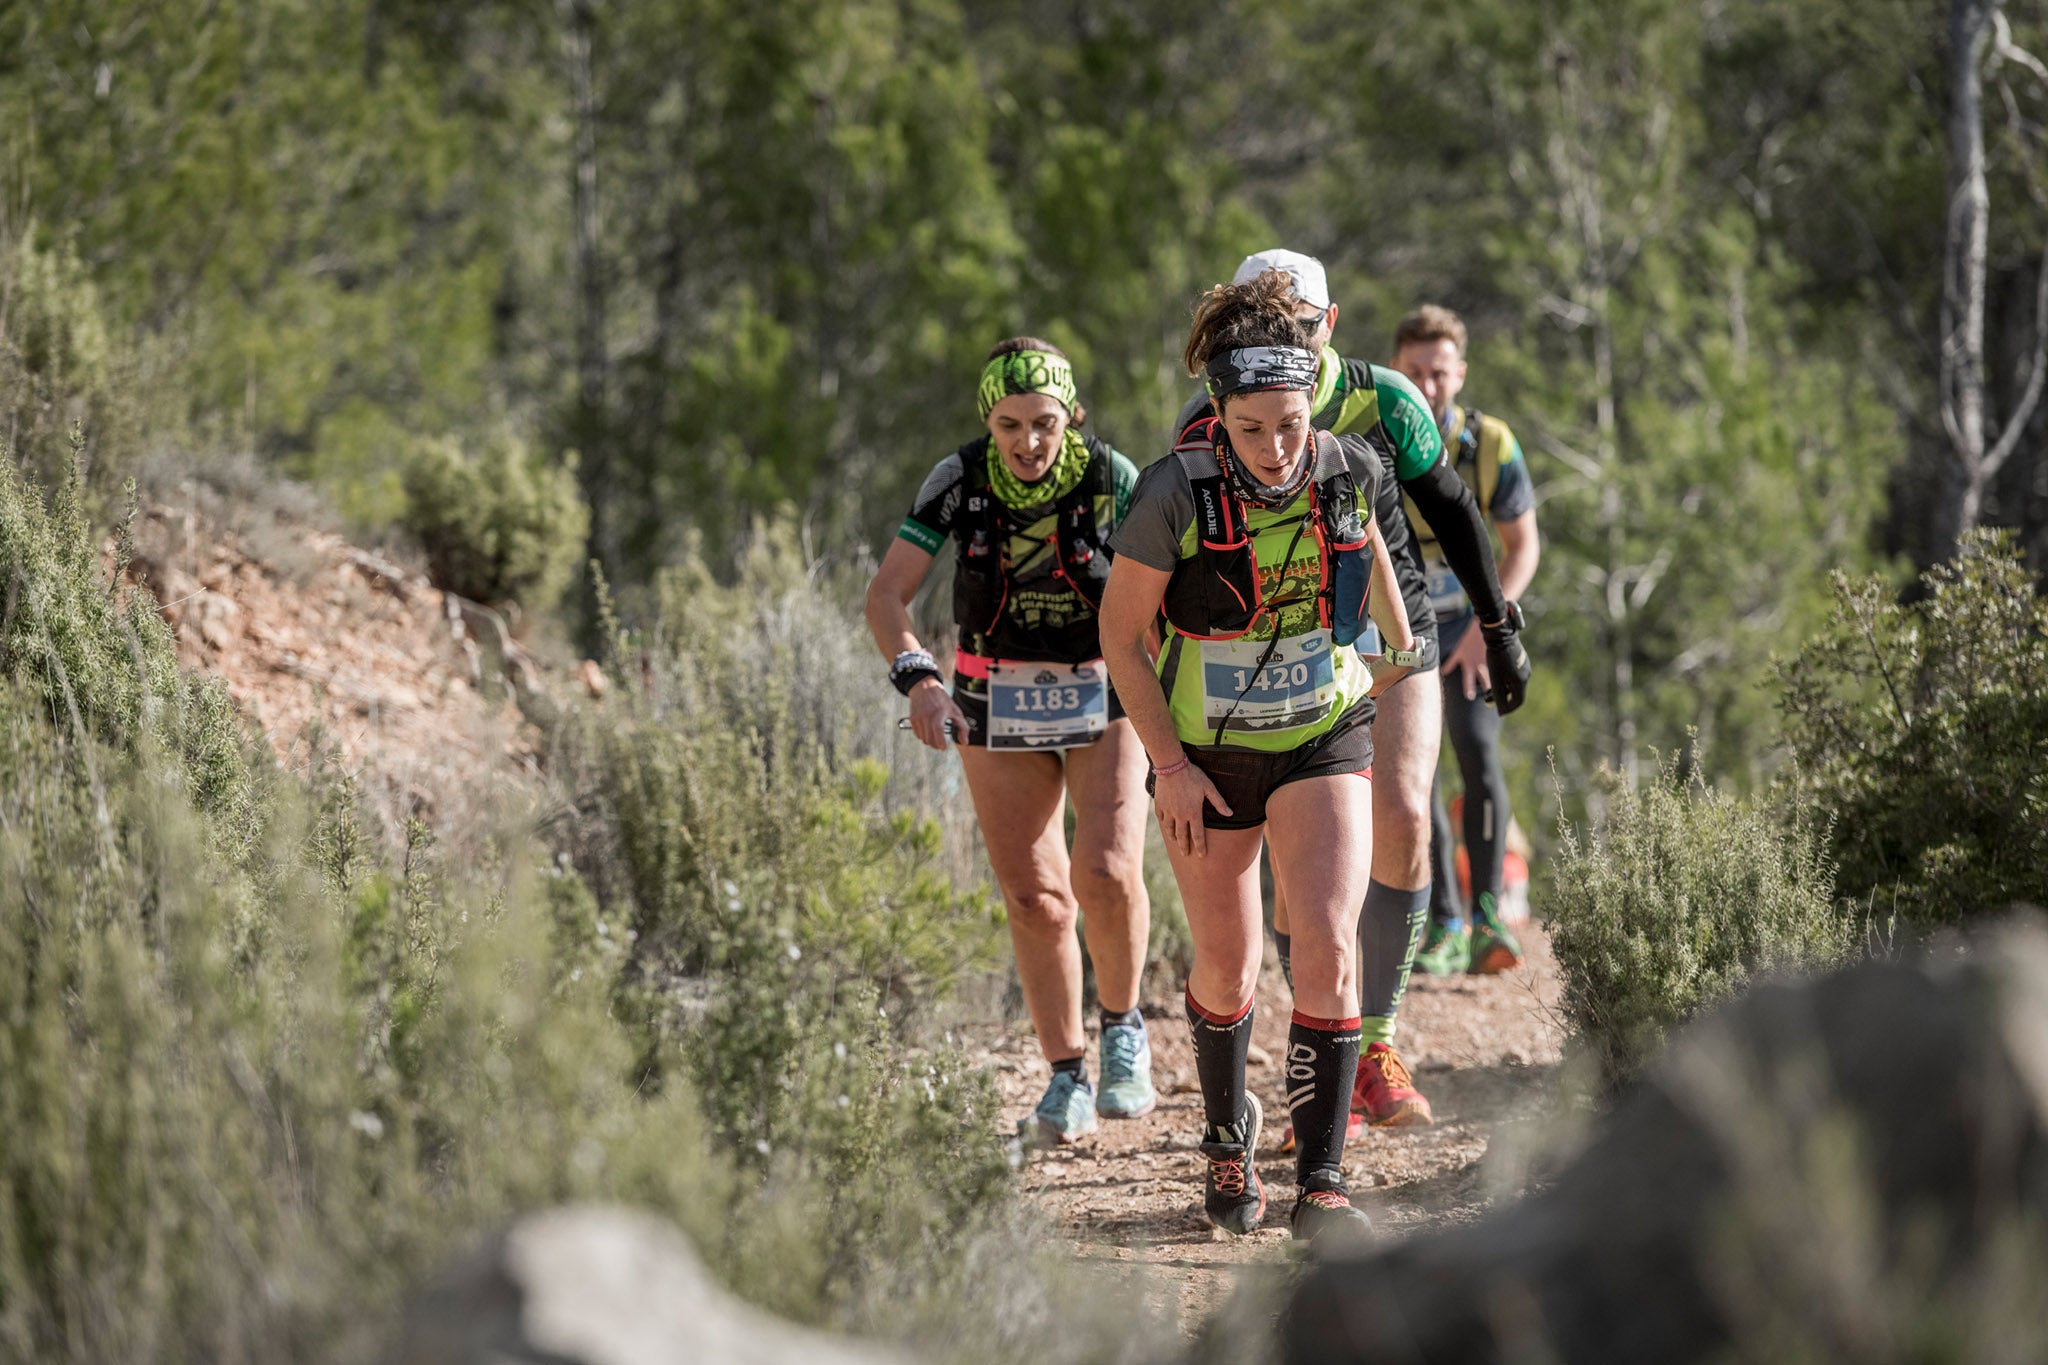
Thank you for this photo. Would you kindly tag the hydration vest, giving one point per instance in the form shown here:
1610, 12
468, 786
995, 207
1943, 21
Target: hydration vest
1215, 595
1477, 461
981, 582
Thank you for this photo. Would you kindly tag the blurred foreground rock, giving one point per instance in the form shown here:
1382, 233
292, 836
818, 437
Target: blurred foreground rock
602, 1286
1850, 1169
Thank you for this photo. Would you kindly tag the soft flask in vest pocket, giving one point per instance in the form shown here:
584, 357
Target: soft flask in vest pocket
1349, 549
1348, 589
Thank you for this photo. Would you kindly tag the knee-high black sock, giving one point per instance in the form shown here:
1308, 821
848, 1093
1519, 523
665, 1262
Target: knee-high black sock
1446, 906
1389, 928
1221, 1044
1322, 1062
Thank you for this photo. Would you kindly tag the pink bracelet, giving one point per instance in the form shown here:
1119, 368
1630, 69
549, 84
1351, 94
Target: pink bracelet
1169, 772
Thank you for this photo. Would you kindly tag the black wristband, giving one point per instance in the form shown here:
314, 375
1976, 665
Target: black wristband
911, 677
912, 667
1513, 622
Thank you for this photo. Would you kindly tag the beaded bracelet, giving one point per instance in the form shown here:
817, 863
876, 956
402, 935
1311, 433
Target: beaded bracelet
1171, 770
912, 667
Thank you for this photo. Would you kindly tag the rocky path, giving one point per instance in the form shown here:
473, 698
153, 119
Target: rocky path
1485, 1050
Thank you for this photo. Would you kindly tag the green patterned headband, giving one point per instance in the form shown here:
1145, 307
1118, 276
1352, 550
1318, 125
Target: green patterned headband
1026, 372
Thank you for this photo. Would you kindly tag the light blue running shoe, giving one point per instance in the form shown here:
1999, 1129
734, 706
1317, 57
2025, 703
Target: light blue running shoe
1066, 1112
1126, 1073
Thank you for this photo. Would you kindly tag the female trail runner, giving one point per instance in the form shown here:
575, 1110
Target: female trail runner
1255, 541
1030, 506
1353, 397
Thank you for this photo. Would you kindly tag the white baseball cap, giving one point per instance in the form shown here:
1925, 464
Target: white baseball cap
1306, 271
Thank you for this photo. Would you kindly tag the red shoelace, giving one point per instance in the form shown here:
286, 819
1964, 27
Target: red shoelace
1228, 1174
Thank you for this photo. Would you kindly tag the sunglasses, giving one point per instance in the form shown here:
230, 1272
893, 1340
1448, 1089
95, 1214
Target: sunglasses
1314, 320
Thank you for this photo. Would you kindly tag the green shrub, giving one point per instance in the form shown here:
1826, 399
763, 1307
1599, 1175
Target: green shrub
256, 1085
63, 368
1922, 730
246, 1105
1672, 904
762, 835
101, 662
498, 524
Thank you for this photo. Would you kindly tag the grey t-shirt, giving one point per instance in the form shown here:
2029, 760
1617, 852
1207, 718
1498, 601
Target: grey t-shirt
1158, 530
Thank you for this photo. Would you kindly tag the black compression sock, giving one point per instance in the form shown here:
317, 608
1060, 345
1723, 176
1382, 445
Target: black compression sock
1389, 929
1130, 1018
1285, 943
1322, 1062
1221, 1044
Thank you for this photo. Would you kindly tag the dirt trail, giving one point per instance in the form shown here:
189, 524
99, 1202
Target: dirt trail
1485, 1050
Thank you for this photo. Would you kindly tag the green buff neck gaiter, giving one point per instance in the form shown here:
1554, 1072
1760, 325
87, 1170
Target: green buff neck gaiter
1057, 483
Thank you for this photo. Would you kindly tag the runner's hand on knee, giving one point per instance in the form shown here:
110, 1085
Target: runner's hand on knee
1468, 661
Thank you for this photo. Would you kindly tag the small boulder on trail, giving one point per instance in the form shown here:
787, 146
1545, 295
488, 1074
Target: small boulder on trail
1830, 1170
602, 1286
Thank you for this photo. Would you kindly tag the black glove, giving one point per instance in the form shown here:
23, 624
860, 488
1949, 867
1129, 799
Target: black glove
1507, 663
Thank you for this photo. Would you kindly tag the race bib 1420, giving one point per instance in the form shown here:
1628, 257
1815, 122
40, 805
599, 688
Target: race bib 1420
1296, 684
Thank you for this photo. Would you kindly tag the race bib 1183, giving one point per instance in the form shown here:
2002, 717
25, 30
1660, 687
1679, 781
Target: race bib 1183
1046, 706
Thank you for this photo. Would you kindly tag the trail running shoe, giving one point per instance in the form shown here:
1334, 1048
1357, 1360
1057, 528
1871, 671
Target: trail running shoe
1354, 1129
1233, 1196
1447, 951
1493, 948
1064, 1113
1385, 1093
1126, 1073
1326, 1215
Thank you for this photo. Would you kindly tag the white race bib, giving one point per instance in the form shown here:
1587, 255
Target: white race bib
1296, 685
1046, 706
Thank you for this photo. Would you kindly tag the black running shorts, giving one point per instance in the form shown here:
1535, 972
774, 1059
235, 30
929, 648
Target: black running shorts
1247, 777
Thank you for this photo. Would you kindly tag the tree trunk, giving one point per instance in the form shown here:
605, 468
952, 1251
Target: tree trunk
1963, 268
593, 364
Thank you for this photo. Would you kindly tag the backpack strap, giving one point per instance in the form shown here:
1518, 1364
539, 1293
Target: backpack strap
1080, 549
981, 583
1487, 454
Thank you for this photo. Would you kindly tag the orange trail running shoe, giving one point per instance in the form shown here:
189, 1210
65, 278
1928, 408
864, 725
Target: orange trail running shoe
1385, 1093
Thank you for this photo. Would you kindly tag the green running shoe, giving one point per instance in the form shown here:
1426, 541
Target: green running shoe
1126, 1073
1494, 949
1065, 1112
1447, 951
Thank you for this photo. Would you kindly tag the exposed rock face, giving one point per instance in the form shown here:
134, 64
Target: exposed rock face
1818, 1171
602, 1286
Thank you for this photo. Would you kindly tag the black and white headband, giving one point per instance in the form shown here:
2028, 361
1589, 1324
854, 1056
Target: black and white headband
1249, 369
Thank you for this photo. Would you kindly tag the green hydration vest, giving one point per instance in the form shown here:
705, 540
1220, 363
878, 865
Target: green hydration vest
1255, 607
1476, 456
1081, 558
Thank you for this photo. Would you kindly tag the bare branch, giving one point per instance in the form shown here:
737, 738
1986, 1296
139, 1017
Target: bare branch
1647, 580
1585, 466
1568, 311
2022, 411
2007, 50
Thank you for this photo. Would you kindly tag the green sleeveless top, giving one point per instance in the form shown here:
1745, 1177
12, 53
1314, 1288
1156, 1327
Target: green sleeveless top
1284, 683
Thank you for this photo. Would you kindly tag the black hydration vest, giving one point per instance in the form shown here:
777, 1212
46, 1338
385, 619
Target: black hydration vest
1215, 595
1081, 557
